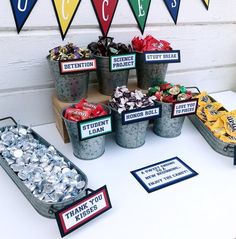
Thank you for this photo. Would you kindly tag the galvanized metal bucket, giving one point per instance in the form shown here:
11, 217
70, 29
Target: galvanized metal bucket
130, 135
85, 149
70, 87
108, 81
166, 126
149, 74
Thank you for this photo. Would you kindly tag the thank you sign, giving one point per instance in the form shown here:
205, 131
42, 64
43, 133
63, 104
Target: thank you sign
84, 210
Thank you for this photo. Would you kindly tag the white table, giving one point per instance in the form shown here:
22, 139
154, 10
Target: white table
202, 207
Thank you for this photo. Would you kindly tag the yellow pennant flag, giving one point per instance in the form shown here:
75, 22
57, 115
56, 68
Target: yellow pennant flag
65, 11
206, 3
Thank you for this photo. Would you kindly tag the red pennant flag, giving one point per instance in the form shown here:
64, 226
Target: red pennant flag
105, 10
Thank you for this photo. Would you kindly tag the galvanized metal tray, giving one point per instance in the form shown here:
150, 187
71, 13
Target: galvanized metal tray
218, 145
43, 208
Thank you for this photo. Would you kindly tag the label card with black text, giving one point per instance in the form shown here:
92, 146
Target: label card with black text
138, 115
185, 107
123, 62
92, 128
163, 174
82, 211
76, 66
162, 57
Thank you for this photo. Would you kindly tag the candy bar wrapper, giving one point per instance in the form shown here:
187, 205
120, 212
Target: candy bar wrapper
213, 115
201, 114
209, 124
228, 139
213, 106
218, 128
229, 120
203, 99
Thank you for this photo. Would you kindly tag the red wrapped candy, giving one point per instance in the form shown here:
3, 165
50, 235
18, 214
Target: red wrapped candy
149, 43
84, 110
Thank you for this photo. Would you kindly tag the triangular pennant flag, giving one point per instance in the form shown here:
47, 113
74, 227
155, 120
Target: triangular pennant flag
173, 8
140, 9
206, 3
65, 11
105, 10
21, 10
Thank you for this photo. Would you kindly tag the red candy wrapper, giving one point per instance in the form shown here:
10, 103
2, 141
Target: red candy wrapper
84, 110
149, 43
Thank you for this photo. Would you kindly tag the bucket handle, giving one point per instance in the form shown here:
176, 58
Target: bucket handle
193, 87
9, 117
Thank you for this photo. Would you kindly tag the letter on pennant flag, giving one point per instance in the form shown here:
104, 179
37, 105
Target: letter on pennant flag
140, 9
105, 10
173, 8
21, 10
206, 3
65, 11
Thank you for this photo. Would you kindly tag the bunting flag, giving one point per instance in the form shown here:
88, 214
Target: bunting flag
206, 3
65, 11
21, 10
140, 9
105, 11
173, 8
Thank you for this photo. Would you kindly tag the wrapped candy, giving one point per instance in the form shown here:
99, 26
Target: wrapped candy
221, 123
68, 52
106, 47
149, 43
170, 93
83, 111
123, 99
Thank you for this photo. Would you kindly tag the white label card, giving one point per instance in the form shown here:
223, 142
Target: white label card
163, 174
162, 57
75, 66
95, 127
183, 108
138, 115
122, 62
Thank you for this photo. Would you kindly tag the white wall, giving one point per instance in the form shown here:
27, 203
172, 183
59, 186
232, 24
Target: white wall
207, 40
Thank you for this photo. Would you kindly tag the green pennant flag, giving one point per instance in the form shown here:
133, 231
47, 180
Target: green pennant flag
140, 9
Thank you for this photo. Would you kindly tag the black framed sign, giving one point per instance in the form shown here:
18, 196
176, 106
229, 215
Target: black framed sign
163, 174
82, 211
152, 57
138, 115
95, 127
123, 62
185, 107
75, 66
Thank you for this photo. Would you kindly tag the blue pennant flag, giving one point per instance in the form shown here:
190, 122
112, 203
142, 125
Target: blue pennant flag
173, 8
21, 10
